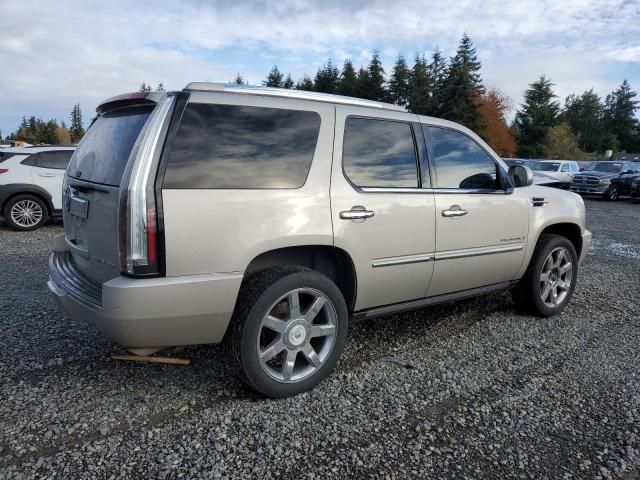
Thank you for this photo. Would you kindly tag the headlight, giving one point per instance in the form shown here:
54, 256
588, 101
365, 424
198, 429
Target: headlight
605, 181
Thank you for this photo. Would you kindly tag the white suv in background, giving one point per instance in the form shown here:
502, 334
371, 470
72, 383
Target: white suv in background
31, 184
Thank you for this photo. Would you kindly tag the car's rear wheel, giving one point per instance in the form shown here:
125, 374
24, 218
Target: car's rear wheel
25, 213
550, 280
288, 330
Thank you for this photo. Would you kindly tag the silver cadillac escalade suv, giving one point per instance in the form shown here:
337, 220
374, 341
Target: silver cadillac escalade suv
270, 219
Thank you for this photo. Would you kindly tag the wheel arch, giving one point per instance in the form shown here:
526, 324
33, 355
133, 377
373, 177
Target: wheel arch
329, 260
571, 231
11, 191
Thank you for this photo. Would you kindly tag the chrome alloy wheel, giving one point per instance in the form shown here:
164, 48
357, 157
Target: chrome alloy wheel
26, 213
296, 335
556, 277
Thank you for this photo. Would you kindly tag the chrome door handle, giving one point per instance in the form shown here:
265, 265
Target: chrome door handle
356, 213
454, 211
46, 175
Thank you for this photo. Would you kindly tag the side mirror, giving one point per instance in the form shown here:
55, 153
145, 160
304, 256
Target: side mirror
520, 175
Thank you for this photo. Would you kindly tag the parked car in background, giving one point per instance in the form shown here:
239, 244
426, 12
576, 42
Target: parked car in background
621, 186
518, 161
635, 189
270, 218
602, 178
554, 173
31, 184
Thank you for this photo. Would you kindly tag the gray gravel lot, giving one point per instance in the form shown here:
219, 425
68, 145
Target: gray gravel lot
472, 390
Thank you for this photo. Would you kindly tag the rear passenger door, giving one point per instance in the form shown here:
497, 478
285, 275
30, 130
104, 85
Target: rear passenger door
381, 214
48, 172
481, 224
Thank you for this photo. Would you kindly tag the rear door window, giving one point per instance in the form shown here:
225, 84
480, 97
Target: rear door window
241, 147
103, 152
56, 159
379, 153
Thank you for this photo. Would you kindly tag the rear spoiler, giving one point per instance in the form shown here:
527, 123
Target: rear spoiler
126, 99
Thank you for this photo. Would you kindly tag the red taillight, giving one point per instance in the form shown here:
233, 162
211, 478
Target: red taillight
152, 237
4, 170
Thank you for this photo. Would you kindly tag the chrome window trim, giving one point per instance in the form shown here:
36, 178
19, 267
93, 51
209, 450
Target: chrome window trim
446, 191
404, 260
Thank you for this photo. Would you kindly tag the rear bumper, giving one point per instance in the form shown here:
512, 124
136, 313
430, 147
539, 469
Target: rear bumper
586, 243
152, 312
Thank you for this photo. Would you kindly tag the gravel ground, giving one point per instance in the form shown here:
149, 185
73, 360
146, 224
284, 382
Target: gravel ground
472, 390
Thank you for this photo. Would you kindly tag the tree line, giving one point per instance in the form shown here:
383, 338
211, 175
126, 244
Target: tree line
453, 89
449, 88
35, 130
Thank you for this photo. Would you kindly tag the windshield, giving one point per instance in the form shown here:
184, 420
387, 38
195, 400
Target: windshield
604, 167
546, 166
103, 152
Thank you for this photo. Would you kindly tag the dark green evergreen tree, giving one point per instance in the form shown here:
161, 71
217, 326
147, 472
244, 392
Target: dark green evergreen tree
438, 75
619, 117
399, 82
420, 87
288, 82
348, 84
305, 84
538, 113
327, 78
463, 87
363, 83
239, 80
376, 82
76, 130
274, 79
584, 114
144, 87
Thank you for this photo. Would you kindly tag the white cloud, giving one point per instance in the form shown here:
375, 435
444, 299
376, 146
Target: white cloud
54, 54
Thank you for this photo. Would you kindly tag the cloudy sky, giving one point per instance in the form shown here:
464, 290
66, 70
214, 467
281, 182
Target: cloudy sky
55, 54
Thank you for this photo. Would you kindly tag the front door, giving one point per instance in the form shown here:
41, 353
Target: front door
381, 214
481, 226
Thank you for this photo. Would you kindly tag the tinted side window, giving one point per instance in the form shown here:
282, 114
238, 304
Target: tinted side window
56, 159
234, 146
565, 167
31, 160
460, 162
379, 153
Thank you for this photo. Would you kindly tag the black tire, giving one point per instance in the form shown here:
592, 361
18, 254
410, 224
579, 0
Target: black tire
257, 296
21, 199
528, 293
613, 194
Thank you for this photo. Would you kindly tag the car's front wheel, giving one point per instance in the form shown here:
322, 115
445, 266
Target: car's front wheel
288, 330
549, 282
25, 212
614, 193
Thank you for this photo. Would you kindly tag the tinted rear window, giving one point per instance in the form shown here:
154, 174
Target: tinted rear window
233, 146
102, 154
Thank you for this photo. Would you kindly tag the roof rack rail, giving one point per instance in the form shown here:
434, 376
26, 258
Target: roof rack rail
286, 93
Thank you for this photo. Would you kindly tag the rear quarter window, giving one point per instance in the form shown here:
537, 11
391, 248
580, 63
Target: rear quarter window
241, 147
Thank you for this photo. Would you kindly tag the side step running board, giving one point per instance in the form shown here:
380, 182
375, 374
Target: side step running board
429, 301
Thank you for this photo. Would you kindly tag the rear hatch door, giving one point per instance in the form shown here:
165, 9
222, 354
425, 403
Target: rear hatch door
92, 189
